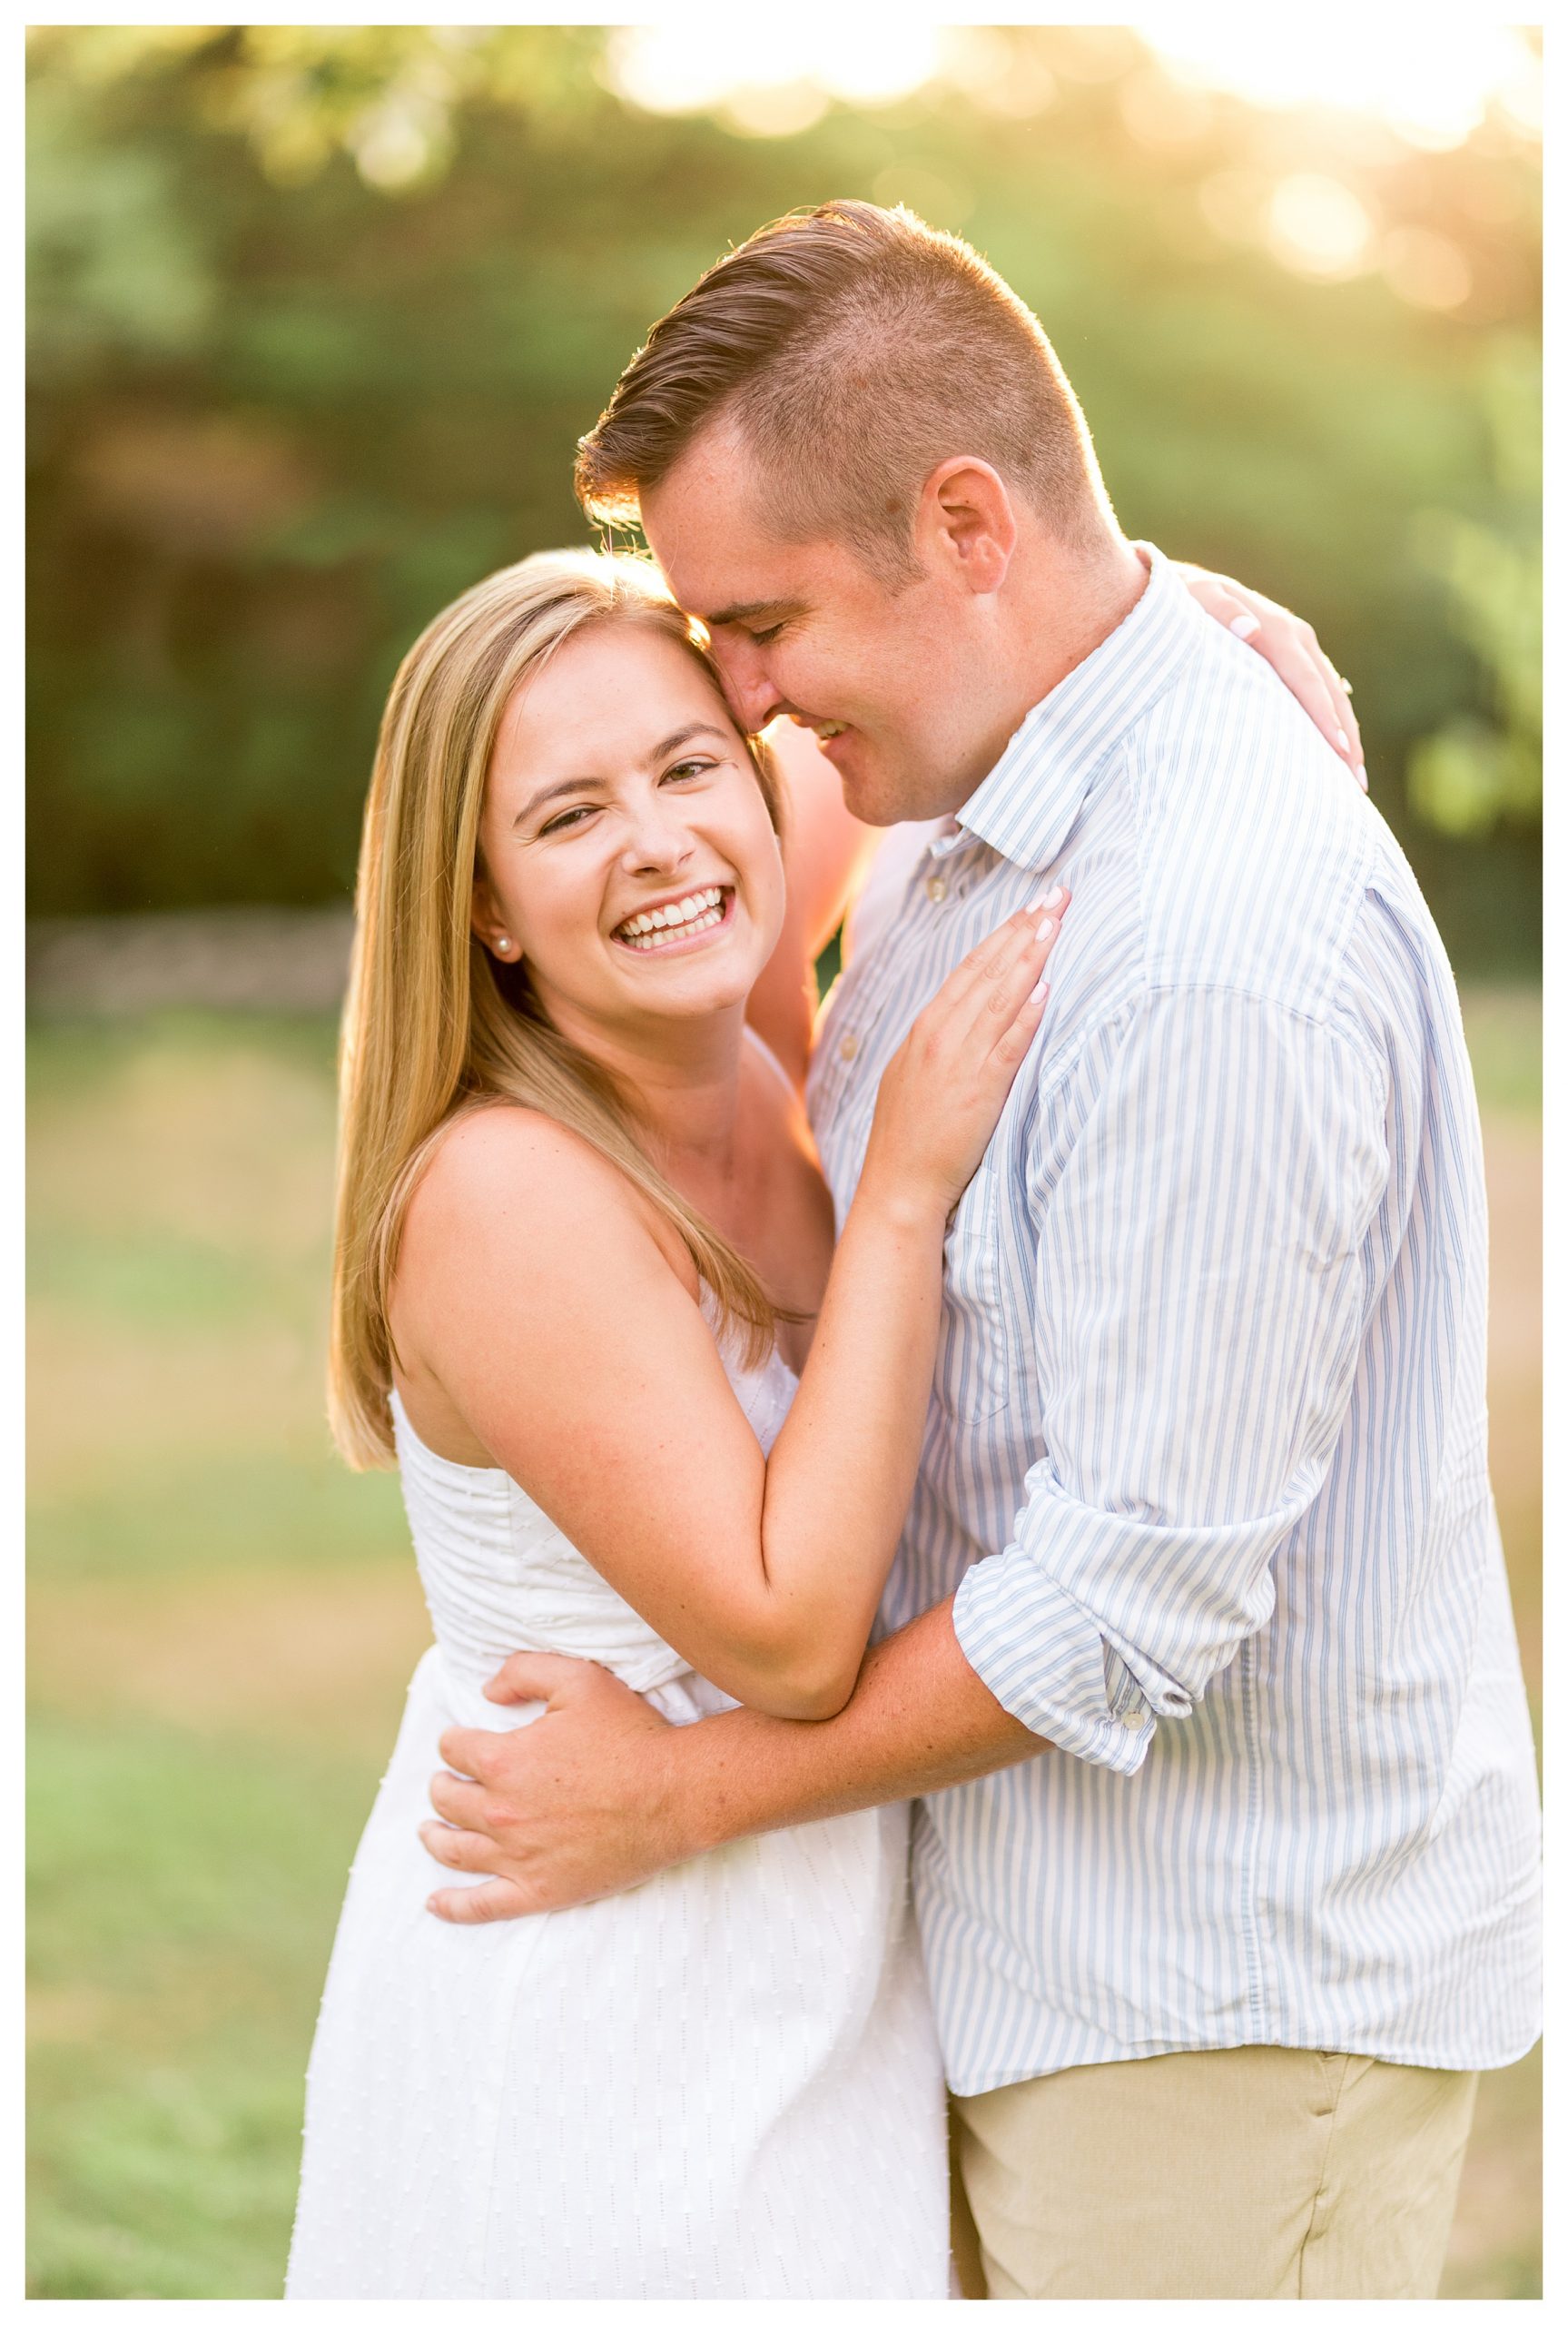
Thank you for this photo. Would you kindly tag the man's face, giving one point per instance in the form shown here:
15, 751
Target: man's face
805, 630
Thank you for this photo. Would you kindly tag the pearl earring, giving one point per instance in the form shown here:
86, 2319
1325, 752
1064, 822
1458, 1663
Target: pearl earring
503, 943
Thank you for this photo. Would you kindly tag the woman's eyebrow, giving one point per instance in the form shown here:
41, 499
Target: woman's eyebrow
564, 791
572, 784
684, 735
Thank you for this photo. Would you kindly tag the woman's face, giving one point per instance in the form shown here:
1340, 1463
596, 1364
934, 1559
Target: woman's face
629, 858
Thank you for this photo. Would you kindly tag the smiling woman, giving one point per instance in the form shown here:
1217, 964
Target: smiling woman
459, 950
588, 825
649, 1418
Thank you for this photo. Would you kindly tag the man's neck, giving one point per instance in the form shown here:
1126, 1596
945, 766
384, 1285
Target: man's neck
1067, 609
1062, 604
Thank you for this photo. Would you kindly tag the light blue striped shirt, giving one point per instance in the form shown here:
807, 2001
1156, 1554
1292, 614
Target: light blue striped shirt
1206, 1462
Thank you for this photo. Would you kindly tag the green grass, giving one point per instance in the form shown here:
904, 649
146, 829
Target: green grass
193, 1516
182, 1898
192, 1807
222, 1621
1502, 1031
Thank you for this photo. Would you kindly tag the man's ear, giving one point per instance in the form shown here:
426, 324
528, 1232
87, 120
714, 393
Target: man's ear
964, 522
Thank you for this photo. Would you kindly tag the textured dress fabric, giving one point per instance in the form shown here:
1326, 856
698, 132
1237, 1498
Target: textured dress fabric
723, 2083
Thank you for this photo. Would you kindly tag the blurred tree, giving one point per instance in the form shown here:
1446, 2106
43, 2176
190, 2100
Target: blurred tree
318, 313
1473, 776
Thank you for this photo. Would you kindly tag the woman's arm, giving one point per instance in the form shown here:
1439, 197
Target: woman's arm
533, 1288
826, 851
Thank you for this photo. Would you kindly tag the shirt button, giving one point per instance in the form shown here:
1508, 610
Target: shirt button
936, 887
1134, 1718
848, 1046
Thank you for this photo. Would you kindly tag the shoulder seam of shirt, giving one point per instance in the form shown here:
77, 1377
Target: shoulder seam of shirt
1331, 1026
1330, 1020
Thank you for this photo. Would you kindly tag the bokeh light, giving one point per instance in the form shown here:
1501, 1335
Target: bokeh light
1319, 226
1429, 79
1430, 83
771, 75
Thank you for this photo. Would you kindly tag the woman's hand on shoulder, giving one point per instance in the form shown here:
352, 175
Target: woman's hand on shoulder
1289, 646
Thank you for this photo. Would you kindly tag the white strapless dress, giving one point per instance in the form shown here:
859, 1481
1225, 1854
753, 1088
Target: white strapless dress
724, 2083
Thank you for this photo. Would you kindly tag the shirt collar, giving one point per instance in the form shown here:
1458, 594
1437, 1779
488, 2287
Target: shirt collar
1027, 804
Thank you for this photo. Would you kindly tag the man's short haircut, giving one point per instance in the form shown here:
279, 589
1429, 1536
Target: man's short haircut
854, 349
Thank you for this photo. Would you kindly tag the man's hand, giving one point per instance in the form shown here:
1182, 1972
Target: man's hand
1290, 648
575, 1805
601, 1793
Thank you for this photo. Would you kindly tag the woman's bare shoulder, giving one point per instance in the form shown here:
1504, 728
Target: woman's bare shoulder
527, 1260
500, 1140
500, 1167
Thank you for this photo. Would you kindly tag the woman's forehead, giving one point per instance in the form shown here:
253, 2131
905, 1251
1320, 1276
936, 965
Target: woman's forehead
603, 702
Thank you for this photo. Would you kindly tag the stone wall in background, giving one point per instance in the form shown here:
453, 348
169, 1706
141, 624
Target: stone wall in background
251, 958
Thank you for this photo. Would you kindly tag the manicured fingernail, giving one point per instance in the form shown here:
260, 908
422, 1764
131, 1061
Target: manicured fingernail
1040, 992
1361, 778
1342, 739
1246, 626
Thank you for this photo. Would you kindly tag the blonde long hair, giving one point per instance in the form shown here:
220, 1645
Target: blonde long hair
433, 1025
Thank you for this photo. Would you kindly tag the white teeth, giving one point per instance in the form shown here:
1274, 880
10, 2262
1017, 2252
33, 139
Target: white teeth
646, 931
659, 936
828, 729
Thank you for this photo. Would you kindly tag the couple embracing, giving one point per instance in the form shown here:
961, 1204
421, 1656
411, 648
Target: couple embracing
1077, 1431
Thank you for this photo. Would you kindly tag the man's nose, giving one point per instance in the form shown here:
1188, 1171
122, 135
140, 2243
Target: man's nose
753, 697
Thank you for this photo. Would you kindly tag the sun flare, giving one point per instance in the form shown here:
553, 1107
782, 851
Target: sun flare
1431, 85
776, 76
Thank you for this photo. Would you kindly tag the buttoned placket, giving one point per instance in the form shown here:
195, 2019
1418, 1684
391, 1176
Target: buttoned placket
938, 887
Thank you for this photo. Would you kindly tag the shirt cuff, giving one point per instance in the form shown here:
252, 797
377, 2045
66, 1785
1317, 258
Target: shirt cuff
1048, 1663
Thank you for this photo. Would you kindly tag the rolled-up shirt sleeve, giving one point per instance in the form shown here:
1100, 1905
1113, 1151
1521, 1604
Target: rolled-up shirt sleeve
1206, 1270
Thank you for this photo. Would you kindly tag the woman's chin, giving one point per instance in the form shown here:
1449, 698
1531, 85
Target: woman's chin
697, 989
692, 981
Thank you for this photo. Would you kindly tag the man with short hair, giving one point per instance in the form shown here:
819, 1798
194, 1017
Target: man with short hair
1198, 1653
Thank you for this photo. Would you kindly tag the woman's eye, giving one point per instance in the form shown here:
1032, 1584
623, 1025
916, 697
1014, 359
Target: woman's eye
565, 822
687, 768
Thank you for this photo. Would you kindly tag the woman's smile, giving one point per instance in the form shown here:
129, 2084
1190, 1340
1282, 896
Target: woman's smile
682, 923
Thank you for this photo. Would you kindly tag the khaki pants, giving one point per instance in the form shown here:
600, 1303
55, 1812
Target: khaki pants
1216, 2175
